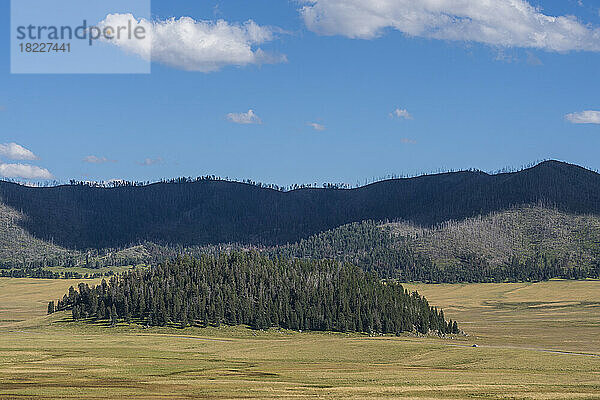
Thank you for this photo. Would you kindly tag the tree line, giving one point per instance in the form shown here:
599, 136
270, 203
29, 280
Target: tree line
259, 291
41, 273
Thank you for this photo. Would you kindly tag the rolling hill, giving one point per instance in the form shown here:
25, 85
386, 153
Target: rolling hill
203, 212
524, 243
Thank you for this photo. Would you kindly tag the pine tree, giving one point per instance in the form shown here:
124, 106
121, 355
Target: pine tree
51, 307
101, 310
76, 313
126, 312
113, 315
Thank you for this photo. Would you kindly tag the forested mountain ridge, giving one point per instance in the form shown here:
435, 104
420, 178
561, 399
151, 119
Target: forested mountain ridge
214, 211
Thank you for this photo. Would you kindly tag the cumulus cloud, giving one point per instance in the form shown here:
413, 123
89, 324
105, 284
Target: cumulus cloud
97, 160
584, 117
191, 45
504, 23
316, 126
401, 113
246, 118
408, 141
24, 171
150, 161
15, 151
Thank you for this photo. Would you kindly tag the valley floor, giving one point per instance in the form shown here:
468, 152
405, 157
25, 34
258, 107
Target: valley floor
535, 341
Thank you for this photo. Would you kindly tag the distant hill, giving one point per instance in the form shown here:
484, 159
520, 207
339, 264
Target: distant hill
212, 211
520, 244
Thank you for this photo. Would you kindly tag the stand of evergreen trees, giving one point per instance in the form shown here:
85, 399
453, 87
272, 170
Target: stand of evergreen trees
259, 291
40, 273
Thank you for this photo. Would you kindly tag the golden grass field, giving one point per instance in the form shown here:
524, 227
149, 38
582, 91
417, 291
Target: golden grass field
521, 330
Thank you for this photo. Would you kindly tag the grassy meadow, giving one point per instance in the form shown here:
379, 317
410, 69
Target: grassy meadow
536, 341
560, 315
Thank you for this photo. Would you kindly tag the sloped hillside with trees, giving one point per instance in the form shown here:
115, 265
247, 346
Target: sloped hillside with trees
499, 237
521, 244
18, 247
24, 255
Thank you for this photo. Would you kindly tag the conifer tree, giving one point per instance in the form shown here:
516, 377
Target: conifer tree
51, 307
113, 315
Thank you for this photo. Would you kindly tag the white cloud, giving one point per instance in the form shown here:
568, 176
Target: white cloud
408, 141
401, 113
191, 45
24, 171
316, 126
150, 161
504, 23
584, 117
246, 118
16, 152
97, 160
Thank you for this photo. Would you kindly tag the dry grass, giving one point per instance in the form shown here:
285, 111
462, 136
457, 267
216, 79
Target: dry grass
52, 357
25, 299
560, 315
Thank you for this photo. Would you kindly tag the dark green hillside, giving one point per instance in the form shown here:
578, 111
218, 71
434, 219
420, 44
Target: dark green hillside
210, 212
251, 289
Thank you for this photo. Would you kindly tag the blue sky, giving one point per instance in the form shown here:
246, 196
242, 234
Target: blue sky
381, 100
